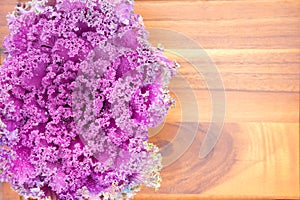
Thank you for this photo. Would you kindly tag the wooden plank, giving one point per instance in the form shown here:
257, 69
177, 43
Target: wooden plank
237, 34
262, 159
278, 73
237, 24
240, 106
206, 10
275, 61
242, 81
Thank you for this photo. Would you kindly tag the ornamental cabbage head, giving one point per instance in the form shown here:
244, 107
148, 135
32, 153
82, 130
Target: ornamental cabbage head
79, 88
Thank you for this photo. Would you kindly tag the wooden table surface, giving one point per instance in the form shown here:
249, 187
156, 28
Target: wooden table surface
256, 48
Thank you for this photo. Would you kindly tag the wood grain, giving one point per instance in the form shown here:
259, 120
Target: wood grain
255, 46
240, 157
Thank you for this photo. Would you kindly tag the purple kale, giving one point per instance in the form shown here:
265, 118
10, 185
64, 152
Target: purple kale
79, 88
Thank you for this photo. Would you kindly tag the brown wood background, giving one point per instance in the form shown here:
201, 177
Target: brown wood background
256, 47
